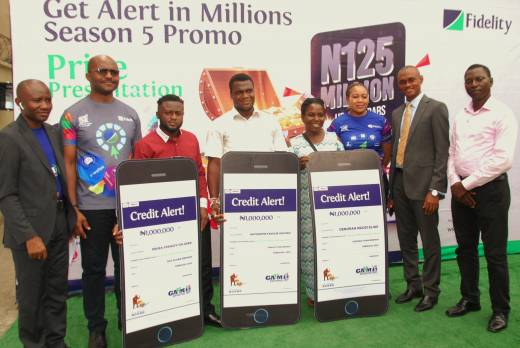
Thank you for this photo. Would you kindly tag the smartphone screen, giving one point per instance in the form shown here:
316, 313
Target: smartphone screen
351, 264
160, 253
260, 239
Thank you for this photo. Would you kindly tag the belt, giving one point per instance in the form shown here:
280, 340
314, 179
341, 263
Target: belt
501, 177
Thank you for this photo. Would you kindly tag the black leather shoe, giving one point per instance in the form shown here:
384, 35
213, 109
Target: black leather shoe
212, 319
408, 295
498, 322
426, 303
97, 340
461, 308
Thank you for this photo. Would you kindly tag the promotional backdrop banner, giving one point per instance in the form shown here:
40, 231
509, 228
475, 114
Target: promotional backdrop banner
290, 48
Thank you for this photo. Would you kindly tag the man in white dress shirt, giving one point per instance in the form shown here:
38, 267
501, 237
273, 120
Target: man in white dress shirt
241, 129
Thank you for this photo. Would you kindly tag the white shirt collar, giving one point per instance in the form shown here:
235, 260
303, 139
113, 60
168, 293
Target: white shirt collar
415, 101
236, 114
165, 137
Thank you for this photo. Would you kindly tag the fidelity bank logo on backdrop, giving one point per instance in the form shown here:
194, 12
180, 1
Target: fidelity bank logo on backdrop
459, 20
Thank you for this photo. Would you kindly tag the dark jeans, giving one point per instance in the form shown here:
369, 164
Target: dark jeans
206, 271
94, 255
41, 291
489, 217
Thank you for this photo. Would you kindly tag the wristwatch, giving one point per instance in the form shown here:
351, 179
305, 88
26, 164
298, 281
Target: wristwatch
435, 193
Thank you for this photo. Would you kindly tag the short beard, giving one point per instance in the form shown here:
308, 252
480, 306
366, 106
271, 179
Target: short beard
170, 130
245, 111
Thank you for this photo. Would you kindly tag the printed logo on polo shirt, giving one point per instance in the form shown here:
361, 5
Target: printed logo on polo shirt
374, 126
111, 137
124, 119
343, 128
459, 20
83, 121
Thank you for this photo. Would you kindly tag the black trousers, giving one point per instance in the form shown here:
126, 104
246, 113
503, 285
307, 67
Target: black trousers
41, 291
490, 220
412, 221
94, 255
206, 271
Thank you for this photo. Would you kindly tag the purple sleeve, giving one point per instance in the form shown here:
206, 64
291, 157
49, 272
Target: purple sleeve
386, 133
332, 127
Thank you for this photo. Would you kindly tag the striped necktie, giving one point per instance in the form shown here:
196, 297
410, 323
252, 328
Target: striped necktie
403, 139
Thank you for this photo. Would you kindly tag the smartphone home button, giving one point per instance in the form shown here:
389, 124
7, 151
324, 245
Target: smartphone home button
260, 316
351, 307
164, 334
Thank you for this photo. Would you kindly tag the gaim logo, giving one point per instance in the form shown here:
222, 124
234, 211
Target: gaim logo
458, 20
277, 277
181, 290
366, 270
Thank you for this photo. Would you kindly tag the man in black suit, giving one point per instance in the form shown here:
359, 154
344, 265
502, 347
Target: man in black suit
418, 180
33, 200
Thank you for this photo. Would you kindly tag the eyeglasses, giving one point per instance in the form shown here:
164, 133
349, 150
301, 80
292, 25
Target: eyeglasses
104, 71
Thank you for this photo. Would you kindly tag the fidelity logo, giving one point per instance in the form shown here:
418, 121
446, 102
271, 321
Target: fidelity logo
458, 20
277, 277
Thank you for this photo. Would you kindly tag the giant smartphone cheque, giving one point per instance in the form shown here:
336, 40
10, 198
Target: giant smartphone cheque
159, 216
259, 242
351, 265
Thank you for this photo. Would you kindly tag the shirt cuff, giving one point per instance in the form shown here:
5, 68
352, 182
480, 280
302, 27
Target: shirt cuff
203, 202
469, 183
453, 179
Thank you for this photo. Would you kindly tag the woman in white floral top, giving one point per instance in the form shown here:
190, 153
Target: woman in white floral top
313, 139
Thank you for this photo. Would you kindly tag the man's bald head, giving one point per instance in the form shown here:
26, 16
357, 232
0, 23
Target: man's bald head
409, 68
26, 86
34, 99
103, 75
99, 60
